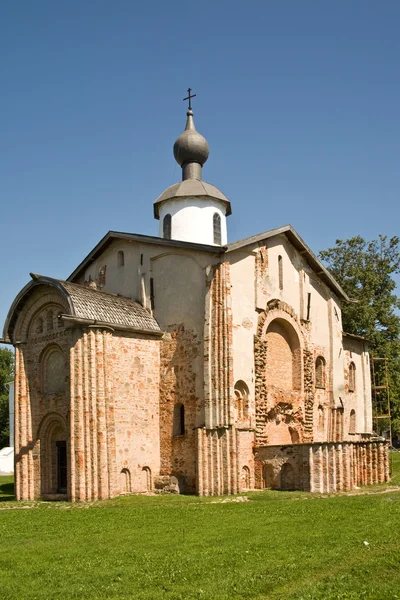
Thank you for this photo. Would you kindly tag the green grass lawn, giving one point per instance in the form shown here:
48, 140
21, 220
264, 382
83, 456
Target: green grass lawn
278, 545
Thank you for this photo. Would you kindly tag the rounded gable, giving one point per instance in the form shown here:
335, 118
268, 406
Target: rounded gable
81, 304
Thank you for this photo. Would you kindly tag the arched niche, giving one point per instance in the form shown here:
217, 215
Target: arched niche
40, 316
352, 424
321, 421
53, 370
245, 478
125, 481
320, 372
268, 476
241, 399
146, 478
283, 368
287, 477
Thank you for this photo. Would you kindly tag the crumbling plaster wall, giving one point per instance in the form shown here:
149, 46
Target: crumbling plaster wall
180, 286
359, 400
244, 321
257, 278
172, 284
114, 278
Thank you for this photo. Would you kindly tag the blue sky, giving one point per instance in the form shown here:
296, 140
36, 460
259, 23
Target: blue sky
299, 101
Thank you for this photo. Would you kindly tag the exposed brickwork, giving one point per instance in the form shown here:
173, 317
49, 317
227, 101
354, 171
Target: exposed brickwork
179, 349
133, 366
83, 388
309, 366
326, 467
138, 413
218, 469
38, 413
278, 376
261, 277
260, 363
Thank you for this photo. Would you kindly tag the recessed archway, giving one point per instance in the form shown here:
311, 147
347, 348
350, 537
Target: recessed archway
54, 455
283, 356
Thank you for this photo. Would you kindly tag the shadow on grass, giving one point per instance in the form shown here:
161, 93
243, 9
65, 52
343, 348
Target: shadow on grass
6, 492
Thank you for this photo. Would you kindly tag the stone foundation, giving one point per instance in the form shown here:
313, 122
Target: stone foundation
321, 467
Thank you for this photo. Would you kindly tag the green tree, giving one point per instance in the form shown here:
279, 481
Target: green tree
365, 271
6, 375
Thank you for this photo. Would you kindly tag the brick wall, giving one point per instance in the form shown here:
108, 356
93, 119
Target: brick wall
326, 467
38, 411
134, 371
180, 350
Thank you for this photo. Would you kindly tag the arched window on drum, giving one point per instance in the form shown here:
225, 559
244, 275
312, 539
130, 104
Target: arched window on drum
217, 236
167, 227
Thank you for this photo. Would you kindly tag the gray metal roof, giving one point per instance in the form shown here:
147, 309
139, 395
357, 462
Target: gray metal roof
189, 188
88, 305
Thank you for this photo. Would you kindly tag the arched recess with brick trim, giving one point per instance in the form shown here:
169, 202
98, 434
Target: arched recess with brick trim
280, 345
52, 454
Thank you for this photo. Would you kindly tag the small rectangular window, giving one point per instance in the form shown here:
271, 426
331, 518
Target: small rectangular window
152, 293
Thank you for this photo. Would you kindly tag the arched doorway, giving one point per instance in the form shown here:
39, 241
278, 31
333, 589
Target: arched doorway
54, 460
245, 477
268, 476
287, 477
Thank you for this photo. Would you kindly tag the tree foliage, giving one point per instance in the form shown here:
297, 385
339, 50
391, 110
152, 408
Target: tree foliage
6, 375
365, 270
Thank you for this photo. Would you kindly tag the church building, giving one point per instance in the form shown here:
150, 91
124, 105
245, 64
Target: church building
184, 363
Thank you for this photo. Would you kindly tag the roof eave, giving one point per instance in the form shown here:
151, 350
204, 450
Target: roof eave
302, 247
115, 326
354, 336
145, 239
158, 203
19, 301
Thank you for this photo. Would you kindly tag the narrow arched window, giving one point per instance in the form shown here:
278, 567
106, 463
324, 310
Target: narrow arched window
39, 325
217, 229
320, 372
49, 320
352, 427
241, 399
280, 272
352, 377
179, 420
245, 478
167, 227
147, 478
120, 258
321, 418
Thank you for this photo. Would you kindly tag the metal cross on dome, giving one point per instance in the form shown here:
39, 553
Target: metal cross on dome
189, 97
